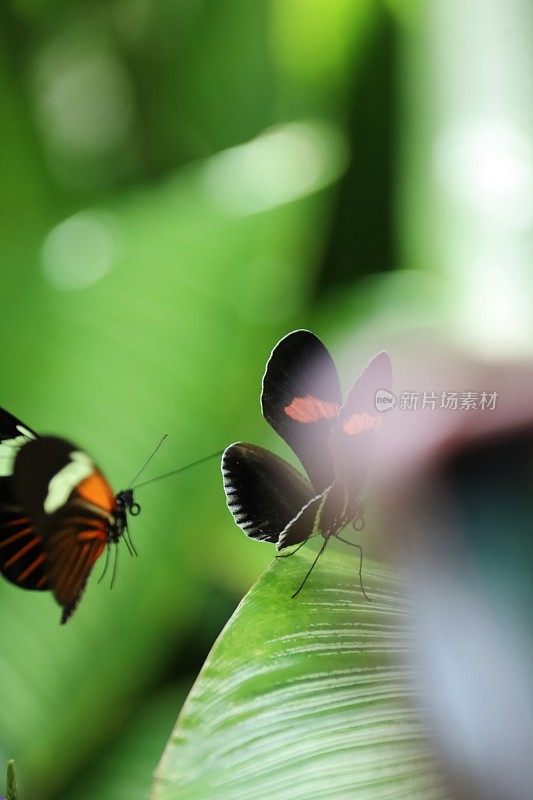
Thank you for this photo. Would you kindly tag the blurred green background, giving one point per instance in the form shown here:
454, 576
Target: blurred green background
182, 184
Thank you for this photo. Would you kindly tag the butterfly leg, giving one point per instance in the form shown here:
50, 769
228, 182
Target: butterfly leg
311, 568
127, 536
115, 565
108, 548
286, 555
358, 546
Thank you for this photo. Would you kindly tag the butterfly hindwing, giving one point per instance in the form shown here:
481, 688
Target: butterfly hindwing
300, 399
72, 552
263, 492
22, 558
304, 524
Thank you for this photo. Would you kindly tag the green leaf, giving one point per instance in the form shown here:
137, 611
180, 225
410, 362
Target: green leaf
304, 698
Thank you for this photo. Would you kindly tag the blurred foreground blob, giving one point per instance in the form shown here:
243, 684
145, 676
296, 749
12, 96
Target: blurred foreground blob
454, 481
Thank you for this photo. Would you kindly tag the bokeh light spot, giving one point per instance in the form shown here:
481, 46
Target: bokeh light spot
79, 251
84, 97
281, 165
487, 167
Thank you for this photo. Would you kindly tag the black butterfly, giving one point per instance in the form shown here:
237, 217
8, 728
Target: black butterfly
57, 513
301, 399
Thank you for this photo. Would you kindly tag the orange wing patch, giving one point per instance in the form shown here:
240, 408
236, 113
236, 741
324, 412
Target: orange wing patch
311, 409
96, 490
359, 423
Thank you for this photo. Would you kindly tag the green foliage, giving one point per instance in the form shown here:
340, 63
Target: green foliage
304, 698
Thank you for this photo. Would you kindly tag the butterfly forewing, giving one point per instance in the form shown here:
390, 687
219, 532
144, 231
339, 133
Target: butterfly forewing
13, 435
354, 436
362, 396
264, 493
47, 471
13, 428
301, 398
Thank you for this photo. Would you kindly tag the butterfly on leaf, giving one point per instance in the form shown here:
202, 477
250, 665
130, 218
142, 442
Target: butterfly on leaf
58, 513
301, 399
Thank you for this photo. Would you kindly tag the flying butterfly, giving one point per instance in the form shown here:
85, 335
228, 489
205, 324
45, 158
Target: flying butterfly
58, 512
301, 399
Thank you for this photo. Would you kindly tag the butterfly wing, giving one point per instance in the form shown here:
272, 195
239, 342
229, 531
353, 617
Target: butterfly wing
304, 524
72, 551
354, 437
300, 400
71, 504
13, 434
263, 492
22, 559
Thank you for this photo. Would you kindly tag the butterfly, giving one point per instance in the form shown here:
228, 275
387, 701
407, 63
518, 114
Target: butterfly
301, 399
58, 513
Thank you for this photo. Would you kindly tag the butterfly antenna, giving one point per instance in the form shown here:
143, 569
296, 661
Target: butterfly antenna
101, 578
309, 571
115, 565
147, 460
181, 469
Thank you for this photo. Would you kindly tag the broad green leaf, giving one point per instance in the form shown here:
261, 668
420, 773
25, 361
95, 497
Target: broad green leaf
305, 698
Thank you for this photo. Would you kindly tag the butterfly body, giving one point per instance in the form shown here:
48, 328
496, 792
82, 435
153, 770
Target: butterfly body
58, 513
338, 510
301, 399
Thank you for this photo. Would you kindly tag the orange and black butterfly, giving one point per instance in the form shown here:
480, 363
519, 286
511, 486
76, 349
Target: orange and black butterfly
58, 513
301, 399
